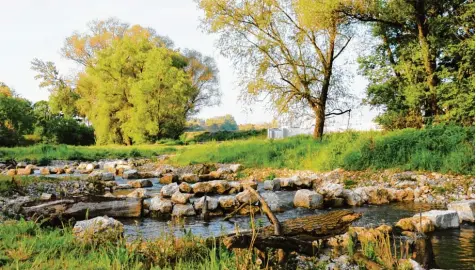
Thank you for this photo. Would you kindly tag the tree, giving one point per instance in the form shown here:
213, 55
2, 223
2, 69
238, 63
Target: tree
203, 72
82, 47
136, 92
287, 50
221, 123
423, 68
62, 97
16, 118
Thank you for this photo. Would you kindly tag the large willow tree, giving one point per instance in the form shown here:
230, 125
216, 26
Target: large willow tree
135, 92
286, 49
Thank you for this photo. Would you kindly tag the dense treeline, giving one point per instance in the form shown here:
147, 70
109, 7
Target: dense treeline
23, 123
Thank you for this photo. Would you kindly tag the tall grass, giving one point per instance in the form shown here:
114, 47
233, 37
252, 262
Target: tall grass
26, 245
447, 149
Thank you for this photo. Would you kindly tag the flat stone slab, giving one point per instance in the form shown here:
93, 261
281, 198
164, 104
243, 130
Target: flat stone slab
465, 210
442, 219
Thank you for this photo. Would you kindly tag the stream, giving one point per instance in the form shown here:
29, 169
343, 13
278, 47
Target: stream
452, 249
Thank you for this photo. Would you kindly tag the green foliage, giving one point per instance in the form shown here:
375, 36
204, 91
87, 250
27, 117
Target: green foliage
349, 184
221, 123
422, 70
16, 119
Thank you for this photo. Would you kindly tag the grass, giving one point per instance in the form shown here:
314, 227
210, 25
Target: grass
446, 149
42, 154
26, 245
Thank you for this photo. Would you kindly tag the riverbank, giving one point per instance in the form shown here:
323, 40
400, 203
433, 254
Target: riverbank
445, 149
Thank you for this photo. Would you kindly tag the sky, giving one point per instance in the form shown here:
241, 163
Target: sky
38, 28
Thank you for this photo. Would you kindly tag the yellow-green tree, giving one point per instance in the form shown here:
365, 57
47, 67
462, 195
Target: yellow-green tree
287, 51
135, 92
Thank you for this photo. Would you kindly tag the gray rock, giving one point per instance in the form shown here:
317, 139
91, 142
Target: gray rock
465, 209
168, 190
220, 186
161, 205
308, 199
140, 183
273, 201
138, 193
189, 178
442, 219
246, 197
202, 188
236, 167
130, 174
181, 198
272, 185
107, 176
180, 210
212, 204
286, 183
47, 196
98, 225
352, 198
123, 186
228, 202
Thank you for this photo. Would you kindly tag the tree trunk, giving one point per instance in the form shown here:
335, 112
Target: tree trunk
431, 103
319, 124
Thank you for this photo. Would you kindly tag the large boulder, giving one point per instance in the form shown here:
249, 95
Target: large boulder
202, 188
161, 205
308, 199
228, 202
140, 183
272, 185
168, 190
212, 204
465, 209
415, 224
130, 174
107, 176
98, 229
442, 219
181, 198
246, 197
273, 201
181, 210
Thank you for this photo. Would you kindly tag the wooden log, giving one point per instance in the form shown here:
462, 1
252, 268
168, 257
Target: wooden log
264, 206
298, 233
